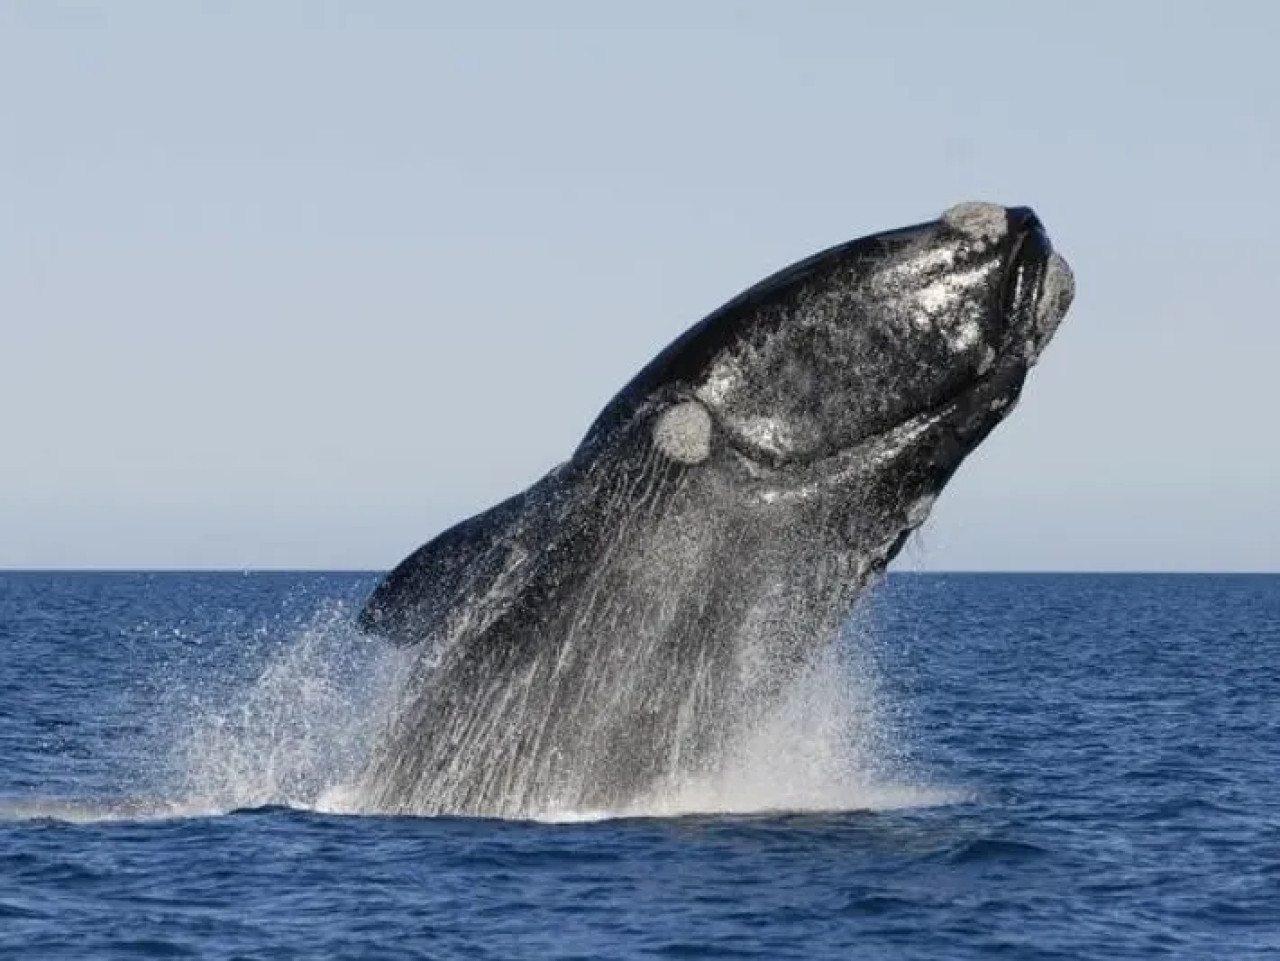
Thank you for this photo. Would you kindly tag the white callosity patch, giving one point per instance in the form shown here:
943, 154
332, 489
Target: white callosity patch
985, 223
683, 433
1056, 293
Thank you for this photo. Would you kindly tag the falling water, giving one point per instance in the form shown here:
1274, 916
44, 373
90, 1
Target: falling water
295, 733
300, 731
825, 744
696, 660
319, 700
696, 663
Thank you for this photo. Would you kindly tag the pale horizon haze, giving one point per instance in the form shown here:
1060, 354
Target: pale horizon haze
299, 285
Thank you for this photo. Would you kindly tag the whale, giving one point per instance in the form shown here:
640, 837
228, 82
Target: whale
609, 629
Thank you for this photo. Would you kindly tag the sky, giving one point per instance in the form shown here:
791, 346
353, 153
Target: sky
299, 284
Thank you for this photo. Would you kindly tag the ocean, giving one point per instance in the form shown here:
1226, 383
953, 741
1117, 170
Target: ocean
1040, 766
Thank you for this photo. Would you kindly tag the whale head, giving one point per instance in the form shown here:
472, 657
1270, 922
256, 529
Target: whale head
873, 367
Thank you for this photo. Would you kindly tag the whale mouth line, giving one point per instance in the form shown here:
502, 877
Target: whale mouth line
1024, 275
761, 459
839, 463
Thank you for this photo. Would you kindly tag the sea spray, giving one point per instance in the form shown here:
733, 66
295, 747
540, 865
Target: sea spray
821, 738
828, 742
296, 731
297, 719
250, 701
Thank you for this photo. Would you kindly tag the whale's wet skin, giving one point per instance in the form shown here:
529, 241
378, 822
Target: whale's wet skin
613, 628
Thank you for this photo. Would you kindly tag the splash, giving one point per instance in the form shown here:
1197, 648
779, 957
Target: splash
827, 744
824, 746
301, 727
822, 740
294, 718
294, 713
296, 733
282, 715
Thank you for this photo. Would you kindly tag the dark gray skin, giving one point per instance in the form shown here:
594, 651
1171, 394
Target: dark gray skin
611, 627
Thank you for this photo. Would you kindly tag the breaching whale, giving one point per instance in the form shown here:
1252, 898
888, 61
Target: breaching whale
606, 629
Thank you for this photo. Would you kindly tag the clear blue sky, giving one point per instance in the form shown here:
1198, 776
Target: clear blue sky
299, 284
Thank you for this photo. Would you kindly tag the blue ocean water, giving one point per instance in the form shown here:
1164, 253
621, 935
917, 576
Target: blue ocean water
1065, 767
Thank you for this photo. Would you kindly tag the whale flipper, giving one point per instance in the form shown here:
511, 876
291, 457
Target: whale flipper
484, 557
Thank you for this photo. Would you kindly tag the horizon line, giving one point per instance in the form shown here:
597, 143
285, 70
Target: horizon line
243, 571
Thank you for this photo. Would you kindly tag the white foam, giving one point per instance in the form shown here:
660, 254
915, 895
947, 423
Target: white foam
826, 746
1056, 293
296, 733
299, 731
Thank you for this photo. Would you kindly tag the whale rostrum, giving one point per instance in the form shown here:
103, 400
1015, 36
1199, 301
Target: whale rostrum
607, 629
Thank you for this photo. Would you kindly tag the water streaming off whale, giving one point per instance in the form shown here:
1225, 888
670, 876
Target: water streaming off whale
297, 729
623, 689
618, 631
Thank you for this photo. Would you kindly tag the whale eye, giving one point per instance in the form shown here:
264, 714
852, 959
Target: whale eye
683, 433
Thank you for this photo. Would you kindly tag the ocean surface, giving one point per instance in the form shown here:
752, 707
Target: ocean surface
1070, 767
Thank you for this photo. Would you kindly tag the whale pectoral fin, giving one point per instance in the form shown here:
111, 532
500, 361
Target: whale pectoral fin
408, 606
471, 567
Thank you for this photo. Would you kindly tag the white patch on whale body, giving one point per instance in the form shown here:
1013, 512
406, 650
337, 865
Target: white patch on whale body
985, 223
919, 510
945, 308
683, 433
1056, 293
768, 434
